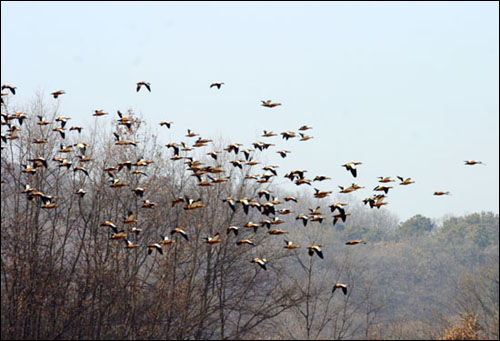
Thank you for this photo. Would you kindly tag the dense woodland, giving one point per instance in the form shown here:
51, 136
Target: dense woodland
64, 277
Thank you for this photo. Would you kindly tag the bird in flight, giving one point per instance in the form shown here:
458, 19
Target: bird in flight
261, 261
269, 104
9, 87
472, 163
218, 85
58, 93
316, 248
441, 193
146, 84
340, 286
351, 166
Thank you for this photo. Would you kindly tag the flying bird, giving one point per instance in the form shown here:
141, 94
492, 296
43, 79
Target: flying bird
245, 241
340, 286
351, 166
289, 245
261, 261
218, 85
155, 246
269, 104
9, 87
316, 248
146, 84
472, 163
58, 93
441, 193
406, 181
355, 241
181, 231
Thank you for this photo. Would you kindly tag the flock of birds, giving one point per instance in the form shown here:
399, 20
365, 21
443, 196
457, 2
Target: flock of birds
207, 176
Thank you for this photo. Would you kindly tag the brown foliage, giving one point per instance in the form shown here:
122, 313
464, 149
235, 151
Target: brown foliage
467, 329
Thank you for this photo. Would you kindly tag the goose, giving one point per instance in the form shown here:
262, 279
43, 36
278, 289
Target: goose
42, 121
65, 149
340, 286
135, 230
268, 134
177, 201
342, 216
303, 217
304, 137
245, 241
213, 240
261, 261
28, 170
316, 248
382, 188
193, 204
191, 134
148, 204
79, 129
129, 218
146, 84
355, 241
472, 163
321, 194
214, 153
50, 205
277, 232
406, 181
235, 230
181, 231
285, 211
165, 123
129, 244
321, 178
290, 246
288, 135
139, 191
253, 225
218, 85
155, 246
233, 147
118, 235
100, 112
316, 211
264, 192
338, 206
65, 163
442, 193
39, 162
58, 93
317, 218
81, 169
283, 153
9, 87
20, 117
231, 203
351, 166
63, 120
166, 241
111, 225
269, 104
115, 183
299, 182
246, 204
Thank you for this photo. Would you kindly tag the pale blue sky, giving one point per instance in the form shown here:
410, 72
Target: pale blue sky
409, 89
